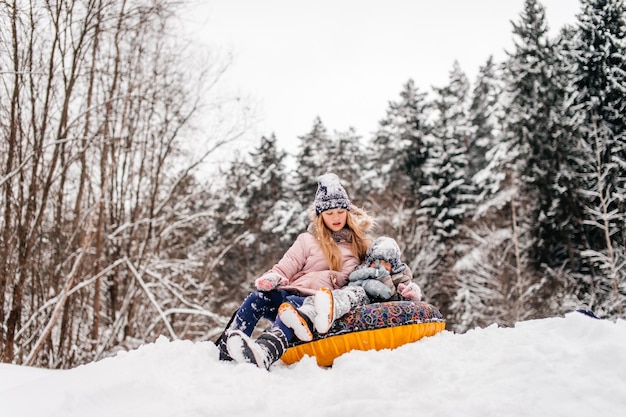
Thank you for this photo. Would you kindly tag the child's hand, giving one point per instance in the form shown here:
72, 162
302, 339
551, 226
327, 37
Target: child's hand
368, 272
269, 281
411, 291
381, 272
377, 289
360, 274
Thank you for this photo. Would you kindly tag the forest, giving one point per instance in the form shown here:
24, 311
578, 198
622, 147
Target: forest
507, 193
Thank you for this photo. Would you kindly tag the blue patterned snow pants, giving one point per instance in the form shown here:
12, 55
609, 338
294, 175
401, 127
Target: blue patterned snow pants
264, 304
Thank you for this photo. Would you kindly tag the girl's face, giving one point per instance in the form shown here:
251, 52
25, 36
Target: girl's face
335, 219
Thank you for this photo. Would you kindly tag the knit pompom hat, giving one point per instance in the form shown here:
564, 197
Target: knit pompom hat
385, 249
330, 194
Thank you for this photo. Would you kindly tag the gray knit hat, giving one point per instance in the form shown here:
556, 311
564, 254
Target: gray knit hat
385, 249
330, 194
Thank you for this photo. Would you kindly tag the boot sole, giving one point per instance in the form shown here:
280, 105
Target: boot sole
324, 307
292, 319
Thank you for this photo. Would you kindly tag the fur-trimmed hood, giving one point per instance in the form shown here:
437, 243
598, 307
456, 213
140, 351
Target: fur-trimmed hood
386, 249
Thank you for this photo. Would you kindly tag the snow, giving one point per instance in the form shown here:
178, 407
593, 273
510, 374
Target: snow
384, 248
331, 184
561, 366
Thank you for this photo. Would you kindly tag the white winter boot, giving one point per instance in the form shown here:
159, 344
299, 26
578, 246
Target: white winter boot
324, 310
331, 305
300, 320
263, 352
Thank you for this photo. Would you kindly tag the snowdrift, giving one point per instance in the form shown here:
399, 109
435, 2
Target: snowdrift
563, 366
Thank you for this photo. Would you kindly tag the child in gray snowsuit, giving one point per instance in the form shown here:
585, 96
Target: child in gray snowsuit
381, 277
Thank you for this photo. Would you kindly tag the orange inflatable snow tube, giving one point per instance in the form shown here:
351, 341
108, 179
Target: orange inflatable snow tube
373, 326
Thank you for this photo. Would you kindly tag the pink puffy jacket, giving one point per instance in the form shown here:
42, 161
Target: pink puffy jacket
306, 268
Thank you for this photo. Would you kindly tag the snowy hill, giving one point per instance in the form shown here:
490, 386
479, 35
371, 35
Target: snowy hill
569, 366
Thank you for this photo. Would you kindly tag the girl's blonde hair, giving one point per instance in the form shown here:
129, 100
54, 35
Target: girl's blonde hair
358, 240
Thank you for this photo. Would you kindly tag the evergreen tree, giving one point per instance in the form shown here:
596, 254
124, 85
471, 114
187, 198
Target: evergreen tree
484, 116
396, 161
536, 84
398, 151
482, 276
348, 160
227, 260
481, 283
447, 196
253, 220
598, 97
313, 160
598, 55
271, 204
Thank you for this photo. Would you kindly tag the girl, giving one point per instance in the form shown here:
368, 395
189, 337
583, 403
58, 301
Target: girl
323, 257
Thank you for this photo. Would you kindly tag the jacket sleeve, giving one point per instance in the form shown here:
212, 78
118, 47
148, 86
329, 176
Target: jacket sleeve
403, 277
293, 260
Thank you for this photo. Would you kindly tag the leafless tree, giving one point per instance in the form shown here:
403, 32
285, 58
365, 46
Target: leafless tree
98, 101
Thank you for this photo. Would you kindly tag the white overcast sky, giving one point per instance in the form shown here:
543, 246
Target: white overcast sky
344, 60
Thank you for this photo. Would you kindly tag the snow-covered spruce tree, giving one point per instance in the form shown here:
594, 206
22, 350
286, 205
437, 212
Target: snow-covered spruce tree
398, 151
342, 153
396, 157
491, 158
447, 197
598, 54
500, 245
605, 291
484, 274
548, 202
347, 159
482, 278
597, 96
312, 160
547, 174
484, 115
227, 262
271, 204
252, 224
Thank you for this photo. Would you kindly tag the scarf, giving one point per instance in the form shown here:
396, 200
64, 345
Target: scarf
342, 235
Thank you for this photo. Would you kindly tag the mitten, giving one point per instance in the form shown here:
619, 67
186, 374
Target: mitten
269, 281
368, 273
410, 291
376, 289
381, 272
360, 274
